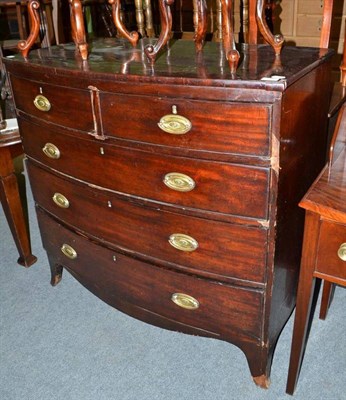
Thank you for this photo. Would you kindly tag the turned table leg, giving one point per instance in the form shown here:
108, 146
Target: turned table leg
11, 203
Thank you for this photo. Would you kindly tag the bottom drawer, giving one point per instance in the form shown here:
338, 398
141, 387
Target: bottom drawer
117, 279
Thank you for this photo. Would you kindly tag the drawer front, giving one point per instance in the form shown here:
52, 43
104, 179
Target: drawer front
331, 257
118, 279
219, 187
218, 127
67, 107
192, 243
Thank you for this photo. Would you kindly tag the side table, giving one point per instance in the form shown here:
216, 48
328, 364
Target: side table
324, 245
10, 147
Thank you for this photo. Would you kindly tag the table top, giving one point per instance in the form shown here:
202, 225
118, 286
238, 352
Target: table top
327, 196
179, 63
10, 134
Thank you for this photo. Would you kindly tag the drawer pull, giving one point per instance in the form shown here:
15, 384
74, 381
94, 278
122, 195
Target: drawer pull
42, 103
185, 301
179, 182
68, 251
51, 151
342, 252
183, 242
174, 124
60, 200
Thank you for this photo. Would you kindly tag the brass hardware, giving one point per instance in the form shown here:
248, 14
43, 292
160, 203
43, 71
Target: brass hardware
185, 301
183, 242
175, 124
179, 182
60, 200
342, 252
68, 251
51, 151
97, 132
42, 103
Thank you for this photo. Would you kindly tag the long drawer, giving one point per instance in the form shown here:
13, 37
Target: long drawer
186, 182
192, 243
210, 126
118, 279
68, 107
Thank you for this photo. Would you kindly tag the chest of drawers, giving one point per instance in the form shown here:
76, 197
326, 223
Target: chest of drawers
171, 191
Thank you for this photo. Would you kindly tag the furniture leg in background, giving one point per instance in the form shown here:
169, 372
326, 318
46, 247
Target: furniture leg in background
10, 147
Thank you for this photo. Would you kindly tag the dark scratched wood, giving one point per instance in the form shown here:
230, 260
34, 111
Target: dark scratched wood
252, 149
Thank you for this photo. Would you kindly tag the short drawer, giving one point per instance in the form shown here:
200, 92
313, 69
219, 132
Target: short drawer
196, 244
64, 106
212, 126
184, 182
331, 255
118, 280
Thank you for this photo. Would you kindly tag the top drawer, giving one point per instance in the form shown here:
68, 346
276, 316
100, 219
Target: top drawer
67, 107
213, 126
331, 256
237, 128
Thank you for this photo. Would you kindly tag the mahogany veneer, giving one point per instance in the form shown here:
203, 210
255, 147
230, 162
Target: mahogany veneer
171, 190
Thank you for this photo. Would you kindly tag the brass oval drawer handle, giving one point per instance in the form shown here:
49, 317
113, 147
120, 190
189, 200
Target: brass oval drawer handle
174, 124
179, 182
51, 151
185, 301
68, 251
60, 200
342, 252
183, 242
42, 103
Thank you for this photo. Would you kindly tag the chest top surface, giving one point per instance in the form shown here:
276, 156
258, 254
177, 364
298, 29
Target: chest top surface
116, 60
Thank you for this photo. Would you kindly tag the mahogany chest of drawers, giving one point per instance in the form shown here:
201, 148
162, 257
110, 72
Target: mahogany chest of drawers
171, 191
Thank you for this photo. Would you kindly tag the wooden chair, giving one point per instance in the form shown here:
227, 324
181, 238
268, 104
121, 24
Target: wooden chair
339, 90
19, 9
13, 10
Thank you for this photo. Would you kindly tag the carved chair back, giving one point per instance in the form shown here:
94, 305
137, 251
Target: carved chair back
253, 18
